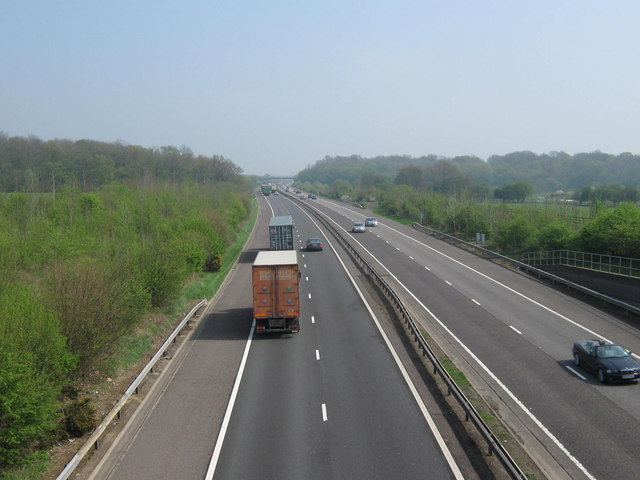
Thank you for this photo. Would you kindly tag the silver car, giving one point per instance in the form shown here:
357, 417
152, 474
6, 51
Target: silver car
371, 222
358, 227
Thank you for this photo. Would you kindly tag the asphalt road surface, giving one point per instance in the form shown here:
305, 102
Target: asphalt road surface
513, 336
329, 402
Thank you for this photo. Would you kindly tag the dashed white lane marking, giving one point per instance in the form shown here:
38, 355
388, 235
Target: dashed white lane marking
317, 354
313, 319
324, 412
515, 329
475, 301
411, 257
447, 282
309, 296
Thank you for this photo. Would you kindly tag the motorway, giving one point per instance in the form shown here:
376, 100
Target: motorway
512, 336
333, 401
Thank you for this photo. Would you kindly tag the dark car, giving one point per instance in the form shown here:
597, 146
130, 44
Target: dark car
609, 362
314, 244
312, 196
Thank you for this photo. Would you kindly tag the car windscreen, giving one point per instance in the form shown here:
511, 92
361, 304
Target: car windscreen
611, 351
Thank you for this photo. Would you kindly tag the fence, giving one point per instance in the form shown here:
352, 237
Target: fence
629, 267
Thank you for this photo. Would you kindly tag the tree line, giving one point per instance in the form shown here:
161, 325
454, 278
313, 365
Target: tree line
33, 165
548, 172
84, 263
442, 197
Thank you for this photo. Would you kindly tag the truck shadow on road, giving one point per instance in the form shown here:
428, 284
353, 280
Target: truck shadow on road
231, 324
248, 256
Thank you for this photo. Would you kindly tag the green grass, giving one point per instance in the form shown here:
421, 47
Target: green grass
458, 377
402, 220
37, 465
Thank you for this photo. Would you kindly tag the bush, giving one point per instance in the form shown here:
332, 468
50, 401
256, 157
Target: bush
80, 417
34, 364
213, 263
518, 234
98, 304
614, 232
556, 236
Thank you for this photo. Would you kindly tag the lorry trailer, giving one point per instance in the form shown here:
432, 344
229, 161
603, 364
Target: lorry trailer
281, 233
276, 300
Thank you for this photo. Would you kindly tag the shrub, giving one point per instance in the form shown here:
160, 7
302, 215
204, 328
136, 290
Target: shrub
80, 417
34, 364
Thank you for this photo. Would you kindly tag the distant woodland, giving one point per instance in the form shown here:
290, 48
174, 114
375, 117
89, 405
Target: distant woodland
563, 201
33, 165
546, 173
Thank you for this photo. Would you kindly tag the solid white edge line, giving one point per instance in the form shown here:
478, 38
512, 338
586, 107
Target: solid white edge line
434, 429
502, 386
227, 415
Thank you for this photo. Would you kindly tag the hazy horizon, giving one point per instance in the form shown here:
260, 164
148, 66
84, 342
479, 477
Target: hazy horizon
274, 87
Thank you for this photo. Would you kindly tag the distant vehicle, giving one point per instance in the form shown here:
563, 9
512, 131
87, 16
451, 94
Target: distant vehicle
608, 362
303, 196
358, 227
275, 279
266, 188
314, 244
275, 192
371, 222
312, 196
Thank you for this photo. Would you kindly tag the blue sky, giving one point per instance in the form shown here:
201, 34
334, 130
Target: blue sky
276, 85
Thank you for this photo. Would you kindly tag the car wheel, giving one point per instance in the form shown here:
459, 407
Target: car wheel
576, 359
601, 376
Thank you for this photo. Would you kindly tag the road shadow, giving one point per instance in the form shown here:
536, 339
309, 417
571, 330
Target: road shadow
230, 324
248, 256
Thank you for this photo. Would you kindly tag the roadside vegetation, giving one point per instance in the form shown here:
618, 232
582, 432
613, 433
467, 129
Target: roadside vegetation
514, 217
87, 265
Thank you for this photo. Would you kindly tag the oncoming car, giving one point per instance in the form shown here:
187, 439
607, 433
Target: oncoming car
608, 362
314, 244
371, 222
358, 227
